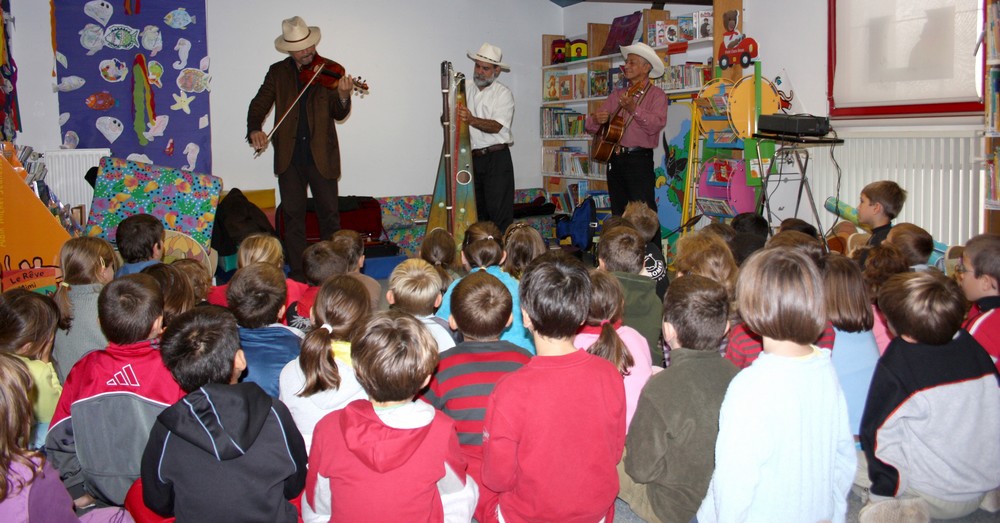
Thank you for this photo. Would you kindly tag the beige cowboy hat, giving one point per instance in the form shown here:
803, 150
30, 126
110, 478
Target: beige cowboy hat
296, 35
648, 54
489, 53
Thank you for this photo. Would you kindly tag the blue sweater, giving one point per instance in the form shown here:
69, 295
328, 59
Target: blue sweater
516, 333
267, 350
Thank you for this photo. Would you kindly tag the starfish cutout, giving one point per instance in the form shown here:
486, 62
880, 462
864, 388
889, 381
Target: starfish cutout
183, 102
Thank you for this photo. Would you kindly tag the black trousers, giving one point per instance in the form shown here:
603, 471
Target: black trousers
631, 179
292, 186
494, 179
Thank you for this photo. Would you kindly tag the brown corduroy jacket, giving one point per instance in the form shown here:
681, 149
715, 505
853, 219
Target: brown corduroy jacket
279, 90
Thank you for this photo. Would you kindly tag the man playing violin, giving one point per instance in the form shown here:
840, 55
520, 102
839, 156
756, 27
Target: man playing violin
630, 169
306, 149
490, 113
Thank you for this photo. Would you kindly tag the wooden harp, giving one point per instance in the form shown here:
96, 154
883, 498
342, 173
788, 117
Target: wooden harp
453, 206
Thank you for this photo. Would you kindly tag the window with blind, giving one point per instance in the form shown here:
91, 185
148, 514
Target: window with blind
900, 58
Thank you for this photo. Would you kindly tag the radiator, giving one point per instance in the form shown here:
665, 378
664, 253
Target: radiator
944, 177
66, 169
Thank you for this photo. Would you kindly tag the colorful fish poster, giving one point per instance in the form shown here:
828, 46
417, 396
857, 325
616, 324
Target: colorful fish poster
10, 116
135, 78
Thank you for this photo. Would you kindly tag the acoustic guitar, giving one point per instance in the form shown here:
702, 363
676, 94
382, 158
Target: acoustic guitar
606, 139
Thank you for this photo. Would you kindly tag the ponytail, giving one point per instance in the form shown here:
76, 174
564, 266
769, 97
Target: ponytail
341, 306
317, 363
610, 346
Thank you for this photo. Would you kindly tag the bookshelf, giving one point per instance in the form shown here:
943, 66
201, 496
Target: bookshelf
572, 89
991, 124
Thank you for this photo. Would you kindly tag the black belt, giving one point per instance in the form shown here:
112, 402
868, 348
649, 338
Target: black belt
490, 149
631, 150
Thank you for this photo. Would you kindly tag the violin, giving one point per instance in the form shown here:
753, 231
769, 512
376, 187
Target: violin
324, 72
327, 73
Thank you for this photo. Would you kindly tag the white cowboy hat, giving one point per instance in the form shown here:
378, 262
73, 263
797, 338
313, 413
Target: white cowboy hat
489, 53
646, 53
296, 35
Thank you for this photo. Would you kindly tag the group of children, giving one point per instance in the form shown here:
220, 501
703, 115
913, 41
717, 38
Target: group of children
519, 386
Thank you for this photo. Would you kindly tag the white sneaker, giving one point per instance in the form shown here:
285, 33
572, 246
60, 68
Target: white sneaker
909, 510
991, 502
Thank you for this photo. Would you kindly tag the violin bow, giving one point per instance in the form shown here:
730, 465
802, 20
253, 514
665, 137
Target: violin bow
267, 139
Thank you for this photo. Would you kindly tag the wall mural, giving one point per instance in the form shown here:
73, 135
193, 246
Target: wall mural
134, 77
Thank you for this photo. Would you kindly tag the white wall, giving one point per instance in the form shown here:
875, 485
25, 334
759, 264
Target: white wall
392, 141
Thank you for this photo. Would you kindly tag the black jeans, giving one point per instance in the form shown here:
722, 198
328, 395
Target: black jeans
630, 179
292, 186
494, 179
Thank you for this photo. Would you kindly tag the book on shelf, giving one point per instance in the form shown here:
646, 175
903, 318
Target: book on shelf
598, 83
685, 24
622, 32
671, 33
561, 122
550, 86
580, 85
617, 79
715, 207
566, 87
703, 21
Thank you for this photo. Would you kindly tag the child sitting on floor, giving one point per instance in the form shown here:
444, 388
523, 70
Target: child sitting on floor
468, 372
406, 447
555, 428
321, 380
227, 451
784, 451
932, 419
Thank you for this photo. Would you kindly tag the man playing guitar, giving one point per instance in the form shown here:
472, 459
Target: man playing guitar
643, 113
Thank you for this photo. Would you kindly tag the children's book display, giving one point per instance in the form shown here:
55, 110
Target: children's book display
723, 190
30, 235
623, 32
184, 201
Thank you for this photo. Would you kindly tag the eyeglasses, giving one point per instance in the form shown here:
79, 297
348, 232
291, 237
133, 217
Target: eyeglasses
960, 268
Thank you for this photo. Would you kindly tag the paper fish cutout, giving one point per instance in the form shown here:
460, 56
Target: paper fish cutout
193, 80
63, 118
178, 18
121, 36
203, 121
99, 10
110, 127
169, 149
191, 150
152, 40
70, 140
101, 101
183, 47
113, 70
183, 102
92, 38
155, 70
61, 60
69, 83
156, 128
136, 157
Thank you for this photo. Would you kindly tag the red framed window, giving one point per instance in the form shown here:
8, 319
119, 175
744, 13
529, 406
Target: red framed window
901, 58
